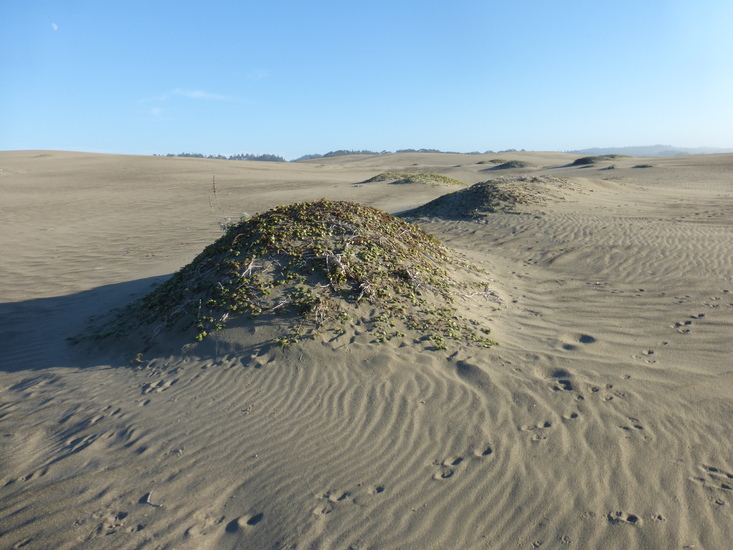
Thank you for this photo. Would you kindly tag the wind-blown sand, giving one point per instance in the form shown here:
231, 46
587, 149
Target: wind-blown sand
602, 419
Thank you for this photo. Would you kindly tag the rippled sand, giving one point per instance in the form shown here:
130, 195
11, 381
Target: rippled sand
602, 420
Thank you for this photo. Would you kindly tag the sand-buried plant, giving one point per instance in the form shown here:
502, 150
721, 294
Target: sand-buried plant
318, 266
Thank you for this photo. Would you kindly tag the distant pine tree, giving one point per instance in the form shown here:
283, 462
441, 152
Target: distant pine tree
263, 158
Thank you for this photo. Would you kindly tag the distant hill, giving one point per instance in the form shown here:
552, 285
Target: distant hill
652, 151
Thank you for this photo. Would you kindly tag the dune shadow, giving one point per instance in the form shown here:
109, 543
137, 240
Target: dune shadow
34, 334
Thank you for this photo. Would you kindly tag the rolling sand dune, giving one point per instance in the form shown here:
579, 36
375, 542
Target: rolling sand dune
601, 420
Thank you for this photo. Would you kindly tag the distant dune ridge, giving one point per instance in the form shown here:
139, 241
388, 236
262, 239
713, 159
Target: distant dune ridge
366, 405
653, 151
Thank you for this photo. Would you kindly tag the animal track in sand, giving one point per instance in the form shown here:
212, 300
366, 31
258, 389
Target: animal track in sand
203, 526
604, 394
716, 479
562, 381
447, 468
453, 465
111, 523
645, 356
540, 428
634, 427
33, 475
337, 498
158, 386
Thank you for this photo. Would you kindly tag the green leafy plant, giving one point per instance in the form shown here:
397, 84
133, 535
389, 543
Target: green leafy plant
317, 266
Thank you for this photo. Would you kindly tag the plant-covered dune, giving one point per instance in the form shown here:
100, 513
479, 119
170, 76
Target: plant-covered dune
318, 266
585, 161
403, 177
503, 194
512, 164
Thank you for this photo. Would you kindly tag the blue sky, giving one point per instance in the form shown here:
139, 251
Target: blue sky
293, 78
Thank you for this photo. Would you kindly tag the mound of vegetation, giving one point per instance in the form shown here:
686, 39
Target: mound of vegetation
403, 177
496, 195
508, 165
316, 266
584, 161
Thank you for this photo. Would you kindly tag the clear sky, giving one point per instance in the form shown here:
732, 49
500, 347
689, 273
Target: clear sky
297, 77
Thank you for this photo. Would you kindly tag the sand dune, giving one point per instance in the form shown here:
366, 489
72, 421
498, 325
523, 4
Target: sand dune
601, 420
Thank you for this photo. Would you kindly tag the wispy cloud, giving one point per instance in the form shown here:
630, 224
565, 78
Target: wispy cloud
200, 94
54, 26
188, 94
259, 74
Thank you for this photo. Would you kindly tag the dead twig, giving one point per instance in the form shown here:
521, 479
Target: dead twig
146, 500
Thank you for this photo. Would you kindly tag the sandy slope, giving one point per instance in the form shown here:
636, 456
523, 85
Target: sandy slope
601, 421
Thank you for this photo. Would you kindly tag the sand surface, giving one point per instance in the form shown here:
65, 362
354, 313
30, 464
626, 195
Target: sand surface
602, 420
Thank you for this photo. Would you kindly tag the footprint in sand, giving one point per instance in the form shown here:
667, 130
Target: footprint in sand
486, 452
448, 468
242, 523
571, 342
622, 518
561, 380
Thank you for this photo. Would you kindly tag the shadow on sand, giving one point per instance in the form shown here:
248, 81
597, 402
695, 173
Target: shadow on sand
34, 334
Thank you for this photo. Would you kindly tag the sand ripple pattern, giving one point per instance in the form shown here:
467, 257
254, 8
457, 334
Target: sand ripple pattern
386, 450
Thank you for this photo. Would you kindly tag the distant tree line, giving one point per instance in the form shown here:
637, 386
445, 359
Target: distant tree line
241, 156
338, 153
341, 152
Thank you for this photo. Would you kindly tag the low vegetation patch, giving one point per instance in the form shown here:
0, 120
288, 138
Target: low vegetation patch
644, 166
508, 165
584, 161
493, 161
316, 267
403, 177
